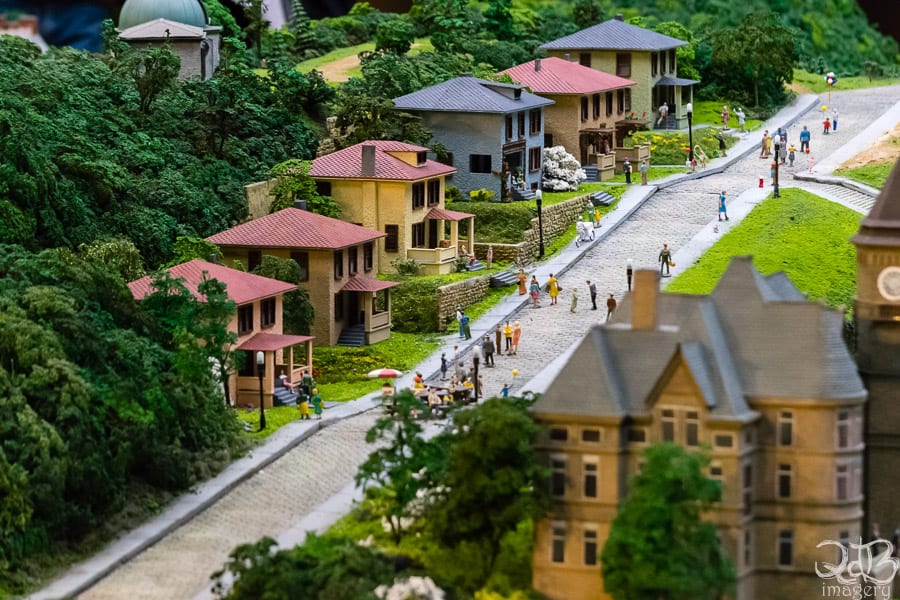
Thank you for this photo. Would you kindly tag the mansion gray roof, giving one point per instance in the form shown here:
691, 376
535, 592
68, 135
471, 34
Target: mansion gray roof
752, 337
472, 95
614, 35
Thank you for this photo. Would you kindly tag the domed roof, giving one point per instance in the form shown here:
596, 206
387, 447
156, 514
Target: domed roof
135, 12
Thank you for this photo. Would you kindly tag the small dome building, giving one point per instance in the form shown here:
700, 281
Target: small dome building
184, 23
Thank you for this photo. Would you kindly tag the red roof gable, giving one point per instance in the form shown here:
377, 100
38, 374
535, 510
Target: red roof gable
560, 76
296, 228
273, 341
363, 283
241, 287
347, 163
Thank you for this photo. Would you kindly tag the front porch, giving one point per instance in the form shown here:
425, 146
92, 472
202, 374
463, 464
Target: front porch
246, 382
672, 90
369, 312
439, 255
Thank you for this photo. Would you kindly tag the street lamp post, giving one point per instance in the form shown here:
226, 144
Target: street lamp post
629, 271
260, 368
775, 193
540, 201
690, 116
476, 359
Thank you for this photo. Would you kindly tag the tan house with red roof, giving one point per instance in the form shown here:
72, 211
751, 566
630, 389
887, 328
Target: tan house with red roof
257, 323
338, 261
589, 107
393, 187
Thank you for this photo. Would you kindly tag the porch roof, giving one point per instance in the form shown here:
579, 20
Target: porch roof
273, 341
362, 283
447, 215
675, 81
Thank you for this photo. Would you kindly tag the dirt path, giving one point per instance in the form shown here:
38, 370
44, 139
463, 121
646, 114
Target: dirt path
886, 148
338, 70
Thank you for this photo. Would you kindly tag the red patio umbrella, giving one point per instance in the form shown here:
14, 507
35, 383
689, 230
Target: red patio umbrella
384, 373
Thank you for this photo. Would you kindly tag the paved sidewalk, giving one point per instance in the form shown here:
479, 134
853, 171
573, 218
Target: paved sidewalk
679, 209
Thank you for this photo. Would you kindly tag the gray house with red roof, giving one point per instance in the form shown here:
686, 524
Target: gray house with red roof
338, 262
493, 132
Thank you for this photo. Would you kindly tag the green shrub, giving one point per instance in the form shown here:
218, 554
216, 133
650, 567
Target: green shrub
414, 306
670, 148
452, 194
406, 266
482, 195
497, 223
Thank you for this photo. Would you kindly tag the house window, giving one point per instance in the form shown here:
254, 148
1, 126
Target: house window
254, 258
654, 64
559, 435
479, 163
520, 121
534, 122
418, 235
672, 60
715, 472
584, 59
590, 547
339, 307
392, 240
692, 429
747, 488
434, 192
637, 435
609, 103
785, 428
662, 62
724, 440
338, 264
421, 158
302, 260
352, 255
558, 477
368, 256
584, 108
623, 64
534, 159
668, 425
843, 429
590, 435
418, 194
785, 547
508, 124
380, 302
748, 547
267, 312
595, 106
558, 545
626, 95
620, 100
323, 188
245, 318
783, 480
843, 482
590, 478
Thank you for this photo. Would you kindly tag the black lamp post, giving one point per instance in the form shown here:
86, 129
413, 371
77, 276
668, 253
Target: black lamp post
690, 115
775, 193
260, 368
476, 359
540, 201
629, 271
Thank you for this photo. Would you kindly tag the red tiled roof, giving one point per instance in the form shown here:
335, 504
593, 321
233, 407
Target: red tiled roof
347, 163
361, 283
560, 76
447, 215
241, 287
295, 228
273, 341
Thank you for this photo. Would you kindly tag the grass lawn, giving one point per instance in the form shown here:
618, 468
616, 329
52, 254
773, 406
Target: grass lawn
709, 112
420, 45
874, 175
815, 82
801, 234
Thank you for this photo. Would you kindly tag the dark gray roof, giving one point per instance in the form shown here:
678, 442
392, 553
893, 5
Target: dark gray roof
754, 336
471, 94
614, 35
666, 80
882, 225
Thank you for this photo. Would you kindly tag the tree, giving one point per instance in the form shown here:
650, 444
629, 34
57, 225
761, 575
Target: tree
685, 55
257, 25
498, 20
294, 183
190, 248
117, 254
395, 35
487, 484
298, 312
154, 69
301, 26
658, 545
212, 318
586, 13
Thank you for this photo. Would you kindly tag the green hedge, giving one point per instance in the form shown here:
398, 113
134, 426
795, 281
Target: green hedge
668, 148
497, 222
414, 305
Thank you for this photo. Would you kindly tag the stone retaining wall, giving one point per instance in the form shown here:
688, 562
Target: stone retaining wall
462, 293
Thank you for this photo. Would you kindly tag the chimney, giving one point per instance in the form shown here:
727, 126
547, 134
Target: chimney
301, 204
644, 299
567, 57
368, 160
537, 64
620, 17
213, 258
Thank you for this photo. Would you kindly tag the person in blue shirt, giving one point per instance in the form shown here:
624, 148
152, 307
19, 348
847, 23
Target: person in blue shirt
723, 210
804, 139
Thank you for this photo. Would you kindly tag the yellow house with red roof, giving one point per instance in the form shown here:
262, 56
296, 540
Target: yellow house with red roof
394, 188
257, 322
338, 261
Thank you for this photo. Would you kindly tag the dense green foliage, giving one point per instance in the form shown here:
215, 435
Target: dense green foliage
502, 223
801, 234
298, 312
658, 546
874, 174
96, 392
414, 305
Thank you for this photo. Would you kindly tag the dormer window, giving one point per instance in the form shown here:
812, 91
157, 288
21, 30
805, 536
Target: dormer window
421, 158
517, 94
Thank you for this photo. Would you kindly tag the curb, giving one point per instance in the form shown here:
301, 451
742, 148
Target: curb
850, 184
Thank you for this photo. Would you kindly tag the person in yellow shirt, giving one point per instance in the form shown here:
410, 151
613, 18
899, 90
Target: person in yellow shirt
553, 289
507, 335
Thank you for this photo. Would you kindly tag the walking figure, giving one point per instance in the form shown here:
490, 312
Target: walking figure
504, 392
626, 168
826, 124
725, 116
553, 289
663, 113
444, 365
459, 317
742, 118
467, 332
487, 345
507, 334
723, 210
498, 337
317, 403
574, 300
535, 290
522, 278
610, 306
517, 334
804, 139
592, 287
665, 259
834, 119
791, 151
643, 169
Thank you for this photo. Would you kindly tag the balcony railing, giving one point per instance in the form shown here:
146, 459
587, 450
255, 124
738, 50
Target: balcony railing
432, 256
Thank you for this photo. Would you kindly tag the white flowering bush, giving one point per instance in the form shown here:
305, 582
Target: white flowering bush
562, 173
413, 588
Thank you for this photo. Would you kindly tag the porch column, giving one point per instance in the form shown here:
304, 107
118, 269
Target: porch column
454, 234
471, 235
